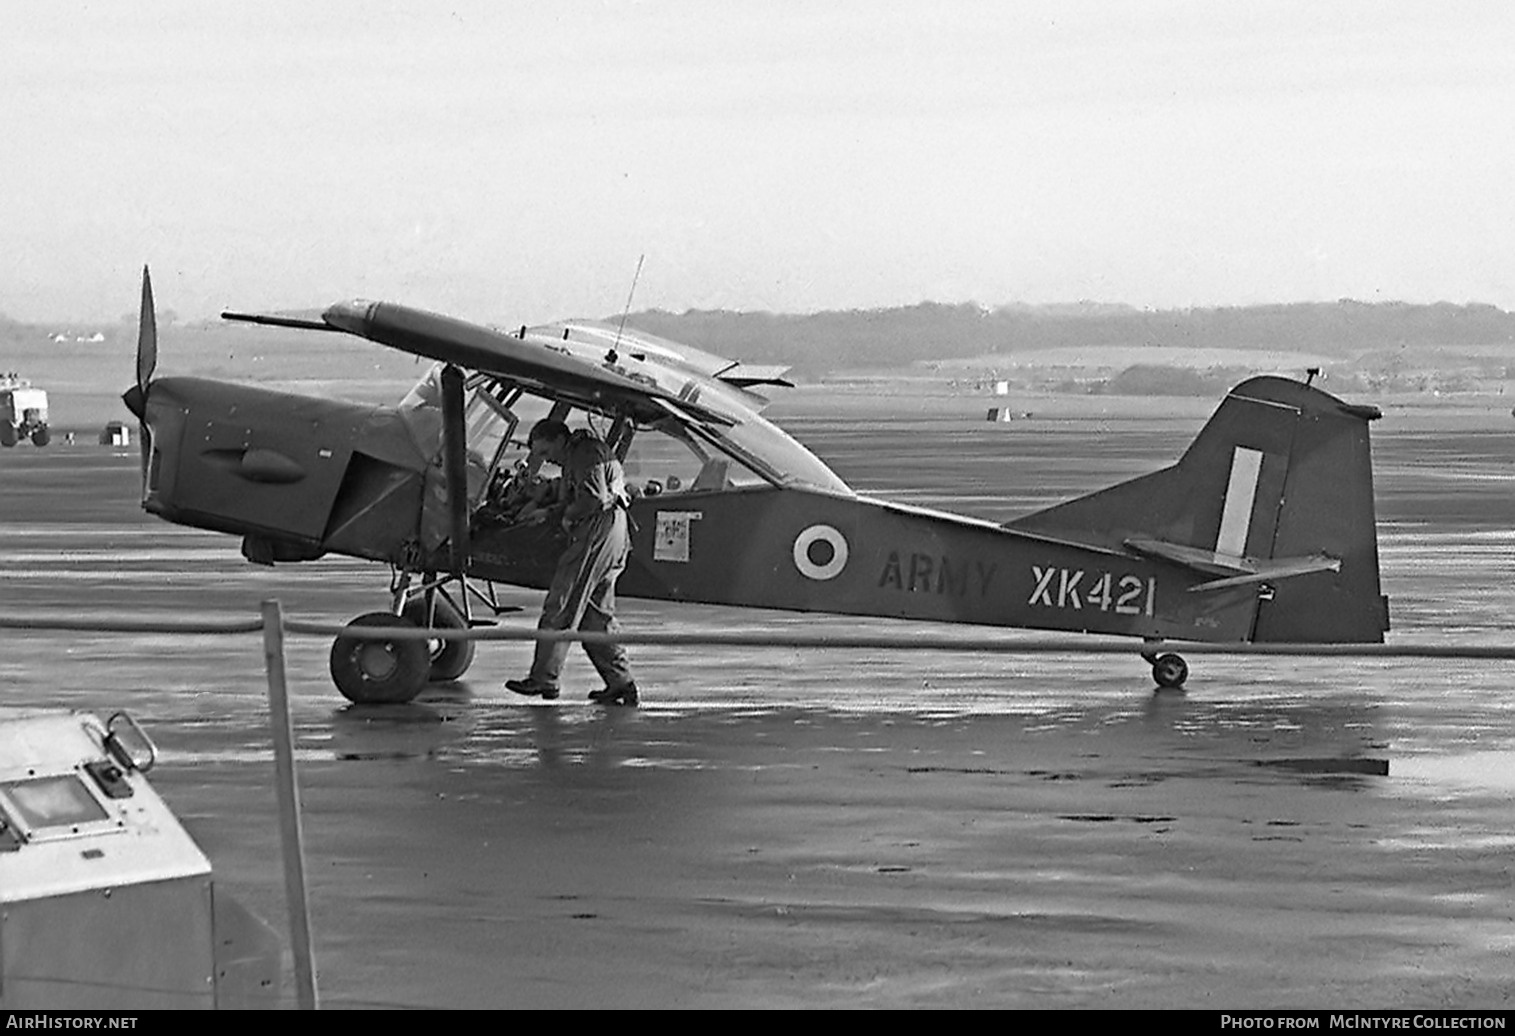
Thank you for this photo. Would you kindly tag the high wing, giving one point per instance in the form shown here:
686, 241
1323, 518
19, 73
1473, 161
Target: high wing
640, 345
580, 368
300, 319
586, 364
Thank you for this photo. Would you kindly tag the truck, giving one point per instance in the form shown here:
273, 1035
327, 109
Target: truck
23, 411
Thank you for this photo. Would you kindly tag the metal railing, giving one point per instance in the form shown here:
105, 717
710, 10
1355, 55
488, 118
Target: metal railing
982, 643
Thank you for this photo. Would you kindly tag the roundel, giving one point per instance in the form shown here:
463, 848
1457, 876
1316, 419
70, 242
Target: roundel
820, 552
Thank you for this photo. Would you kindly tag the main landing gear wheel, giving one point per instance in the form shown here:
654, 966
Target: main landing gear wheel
1170, 671
450, 659
379, 672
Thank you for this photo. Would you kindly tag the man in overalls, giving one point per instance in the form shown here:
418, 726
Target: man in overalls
594, 500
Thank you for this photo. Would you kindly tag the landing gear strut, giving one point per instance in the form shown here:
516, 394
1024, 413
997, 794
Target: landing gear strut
450, 659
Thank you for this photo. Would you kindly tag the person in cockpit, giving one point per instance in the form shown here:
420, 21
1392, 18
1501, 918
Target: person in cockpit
522, 497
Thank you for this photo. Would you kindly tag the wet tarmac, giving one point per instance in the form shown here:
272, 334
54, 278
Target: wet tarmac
835, 828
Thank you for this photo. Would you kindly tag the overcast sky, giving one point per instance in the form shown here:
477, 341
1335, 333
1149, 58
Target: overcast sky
510, 161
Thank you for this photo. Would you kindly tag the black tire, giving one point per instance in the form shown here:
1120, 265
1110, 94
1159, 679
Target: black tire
450, 659
41, 436
7, 434
379, 672
1170, 671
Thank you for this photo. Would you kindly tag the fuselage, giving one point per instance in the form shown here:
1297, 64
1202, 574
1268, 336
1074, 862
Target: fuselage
1264, 529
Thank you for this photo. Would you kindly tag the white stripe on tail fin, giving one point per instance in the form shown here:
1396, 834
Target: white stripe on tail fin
1236, 511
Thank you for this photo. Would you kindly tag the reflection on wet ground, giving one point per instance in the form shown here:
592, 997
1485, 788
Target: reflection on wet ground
840, 828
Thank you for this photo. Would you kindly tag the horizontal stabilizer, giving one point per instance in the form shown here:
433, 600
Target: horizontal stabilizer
1234, 569
1273, 571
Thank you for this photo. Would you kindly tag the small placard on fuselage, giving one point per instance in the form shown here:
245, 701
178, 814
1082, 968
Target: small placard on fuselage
672, 540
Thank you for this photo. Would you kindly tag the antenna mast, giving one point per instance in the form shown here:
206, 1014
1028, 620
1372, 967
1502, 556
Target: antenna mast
611, 356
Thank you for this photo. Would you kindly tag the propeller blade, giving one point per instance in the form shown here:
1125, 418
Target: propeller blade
145, 443
147, 361
147, 335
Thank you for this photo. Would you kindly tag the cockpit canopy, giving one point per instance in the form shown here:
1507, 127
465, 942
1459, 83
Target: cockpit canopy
667, 455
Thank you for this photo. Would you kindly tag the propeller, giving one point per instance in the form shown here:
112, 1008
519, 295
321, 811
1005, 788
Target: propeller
147, 335
147, 361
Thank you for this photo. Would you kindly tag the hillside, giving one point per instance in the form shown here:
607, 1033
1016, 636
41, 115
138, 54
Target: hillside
1082, 348
839, 340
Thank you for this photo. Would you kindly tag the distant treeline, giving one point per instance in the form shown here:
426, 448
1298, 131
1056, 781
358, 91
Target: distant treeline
838, 340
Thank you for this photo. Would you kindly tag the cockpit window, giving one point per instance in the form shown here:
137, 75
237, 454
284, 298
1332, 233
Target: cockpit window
497, 417
767, 445
486, 425
664, 458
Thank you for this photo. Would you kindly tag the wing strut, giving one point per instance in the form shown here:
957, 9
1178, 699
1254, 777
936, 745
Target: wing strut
454, 445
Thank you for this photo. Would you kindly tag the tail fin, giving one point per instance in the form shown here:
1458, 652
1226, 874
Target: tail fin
1276, 491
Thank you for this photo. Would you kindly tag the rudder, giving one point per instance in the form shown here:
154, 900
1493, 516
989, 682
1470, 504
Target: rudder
1327, 508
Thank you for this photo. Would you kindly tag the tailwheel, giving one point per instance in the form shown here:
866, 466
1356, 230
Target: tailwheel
378, 671
1170, 671
450, 659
